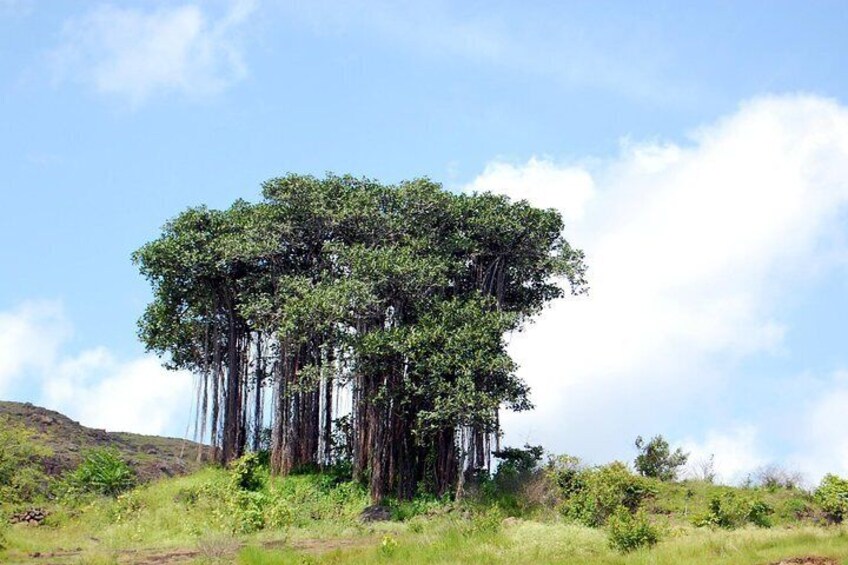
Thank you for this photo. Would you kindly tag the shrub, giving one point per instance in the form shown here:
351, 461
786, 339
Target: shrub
628, 532
832, 494
759, 514
656, 459
730, 511
517, 465
593, 495
521, 460
295, 500
102, 471
247, 472
565, 471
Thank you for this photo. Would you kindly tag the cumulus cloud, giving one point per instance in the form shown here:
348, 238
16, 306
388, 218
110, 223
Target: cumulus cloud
734, 453
30, 337
134, 54
822, 431
92, 386
691, 248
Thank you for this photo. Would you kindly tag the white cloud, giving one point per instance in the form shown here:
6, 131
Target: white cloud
735, 453
30, 336
94, 387
135, 54
546, 185
824, 443
138, 395
691, 248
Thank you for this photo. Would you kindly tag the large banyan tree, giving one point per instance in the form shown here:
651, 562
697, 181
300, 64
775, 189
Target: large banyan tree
340, 319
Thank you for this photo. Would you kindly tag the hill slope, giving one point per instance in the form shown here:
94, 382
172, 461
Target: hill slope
66, 440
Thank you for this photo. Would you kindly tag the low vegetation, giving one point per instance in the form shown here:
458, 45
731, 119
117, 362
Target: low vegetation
533, 508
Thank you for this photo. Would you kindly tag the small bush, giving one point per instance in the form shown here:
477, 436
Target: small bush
516, 466
628, 532
595, 494
102, 471
832, 494
248, 473
759, 514
796, 508
566, 472
730, 511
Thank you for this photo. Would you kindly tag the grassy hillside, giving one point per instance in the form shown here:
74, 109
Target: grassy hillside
313, 519
60, 442
561, 512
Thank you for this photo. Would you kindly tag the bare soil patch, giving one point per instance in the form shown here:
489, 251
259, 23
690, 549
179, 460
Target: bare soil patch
807, 560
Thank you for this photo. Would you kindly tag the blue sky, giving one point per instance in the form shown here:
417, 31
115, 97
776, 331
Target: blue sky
697, 151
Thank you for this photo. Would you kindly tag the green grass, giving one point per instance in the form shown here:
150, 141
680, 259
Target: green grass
313, 518
538, 544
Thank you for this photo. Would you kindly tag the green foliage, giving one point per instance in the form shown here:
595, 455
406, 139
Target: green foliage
293, 501
248, 473
730, 510
411, 284
516, 467
592, 495
521, 460
628, 532
21, 478
656, 459
832, 494
102, 471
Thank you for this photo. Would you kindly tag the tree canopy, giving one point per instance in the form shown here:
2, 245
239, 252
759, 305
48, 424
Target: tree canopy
354, 319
